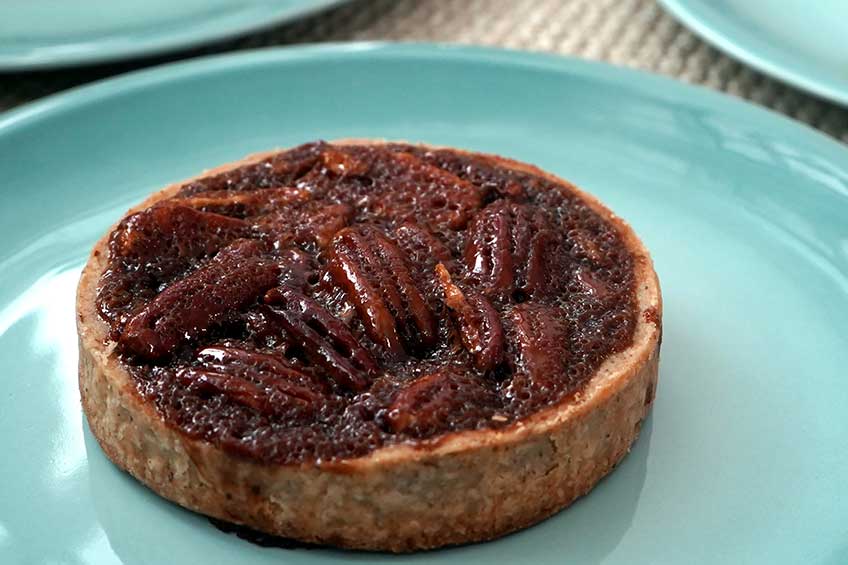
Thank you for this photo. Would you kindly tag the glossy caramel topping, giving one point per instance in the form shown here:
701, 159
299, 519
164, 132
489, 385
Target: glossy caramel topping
330, 300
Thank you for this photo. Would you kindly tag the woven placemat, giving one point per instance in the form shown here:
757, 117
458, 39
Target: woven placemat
632, 33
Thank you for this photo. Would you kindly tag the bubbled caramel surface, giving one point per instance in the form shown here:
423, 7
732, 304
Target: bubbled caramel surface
330, 300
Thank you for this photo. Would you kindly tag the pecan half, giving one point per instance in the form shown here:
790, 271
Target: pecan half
298, 268
155, 246
591, 284
537, 276
584, 245
240, 390
339, 162
242, 203
509, 249
424, 405
283, 169
260, 381
398, 186
259, 391
264, 368
432, 194
169, 237
488, 252
323, 339
321, 224
423, 248
479, 325
313, 224
188, 308
341, 174
377, 279
540, 335
483, 171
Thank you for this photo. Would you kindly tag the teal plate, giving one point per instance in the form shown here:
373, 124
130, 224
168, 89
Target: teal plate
801, 42
38, 34
745, 458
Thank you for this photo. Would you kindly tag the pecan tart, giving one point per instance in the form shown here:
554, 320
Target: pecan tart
369, 345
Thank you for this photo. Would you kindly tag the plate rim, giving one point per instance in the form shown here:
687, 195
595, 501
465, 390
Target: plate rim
121, 47
738, 47
654, 84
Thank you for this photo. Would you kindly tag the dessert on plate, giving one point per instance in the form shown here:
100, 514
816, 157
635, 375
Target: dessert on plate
370, 345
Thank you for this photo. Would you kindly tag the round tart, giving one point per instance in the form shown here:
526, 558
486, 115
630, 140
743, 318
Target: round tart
370, 345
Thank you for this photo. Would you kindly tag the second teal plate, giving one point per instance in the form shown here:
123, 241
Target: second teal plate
38, 34
798, 41
744, 459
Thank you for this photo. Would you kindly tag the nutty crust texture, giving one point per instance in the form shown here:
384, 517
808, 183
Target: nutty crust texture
465, 487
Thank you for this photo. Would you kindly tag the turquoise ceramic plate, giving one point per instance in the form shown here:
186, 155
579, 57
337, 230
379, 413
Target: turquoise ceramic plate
802, 42
744, 459
37, 34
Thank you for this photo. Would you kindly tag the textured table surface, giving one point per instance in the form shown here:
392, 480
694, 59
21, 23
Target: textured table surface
632, 33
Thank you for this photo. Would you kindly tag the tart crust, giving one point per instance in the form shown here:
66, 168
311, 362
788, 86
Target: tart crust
462, 487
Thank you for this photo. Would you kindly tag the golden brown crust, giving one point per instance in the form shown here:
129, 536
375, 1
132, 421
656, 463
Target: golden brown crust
469, 486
